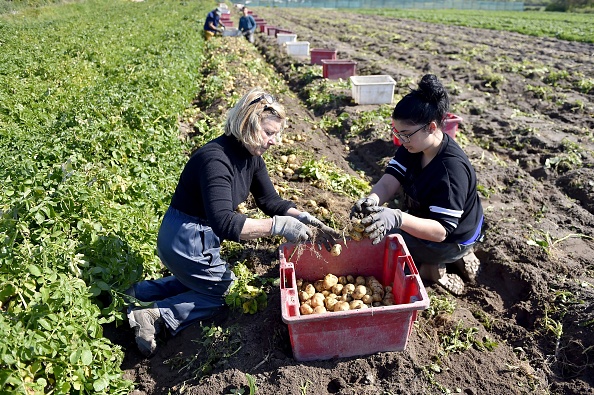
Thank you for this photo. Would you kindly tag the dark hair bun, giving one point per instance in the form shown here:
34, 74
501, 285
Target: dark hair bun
431, 90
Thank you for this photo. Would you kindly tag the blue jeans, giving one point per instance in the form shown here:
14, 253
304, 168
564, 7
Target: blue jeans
190, 250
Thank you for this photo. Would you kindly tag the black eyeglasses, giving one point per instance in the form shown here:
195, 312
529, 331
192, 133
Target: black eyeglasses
405, 138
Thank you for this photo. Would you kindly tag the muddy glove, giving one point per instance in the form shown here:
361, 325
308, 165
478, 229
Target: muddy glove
359, 210
379, 221
325, 234
290, 228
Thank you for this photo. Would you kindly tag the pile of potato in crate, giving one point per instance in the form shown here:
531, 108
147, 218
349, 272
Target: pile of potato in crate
342, 293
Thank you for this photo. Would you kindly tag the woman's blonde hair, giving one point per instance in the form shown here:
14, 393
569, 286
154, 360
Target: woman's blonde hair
243, 120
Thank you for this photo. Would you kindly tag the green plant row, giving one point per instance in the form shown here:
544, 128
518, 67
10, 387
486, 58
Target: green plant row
562, 25
90, 96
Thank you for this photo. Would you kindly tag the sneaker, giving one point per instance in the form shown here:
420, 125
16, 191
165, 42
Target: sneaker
147, 323
468, 266
452, 283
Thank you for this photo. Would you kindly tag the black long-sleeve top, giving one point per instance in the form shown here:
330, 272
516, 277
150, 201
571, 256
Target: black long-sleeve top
217, 178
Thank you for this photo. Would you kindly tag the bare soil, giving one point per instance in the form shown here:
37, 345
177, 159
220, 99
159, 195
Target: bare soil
523, 132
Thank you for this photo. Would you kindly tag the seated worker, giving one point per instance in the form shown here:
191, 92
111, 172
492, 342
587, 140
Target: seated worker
203, 212
444, 215
247, 25
211, 25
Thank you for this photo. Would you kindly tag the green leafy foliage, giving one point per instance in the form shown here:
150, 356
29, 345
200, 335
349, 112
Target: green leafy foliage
246, 294
90, 94
326, 175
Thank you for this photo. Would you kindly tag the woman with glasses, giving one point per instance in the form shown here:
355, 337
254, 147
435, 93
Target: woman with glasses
216, 179
442, 215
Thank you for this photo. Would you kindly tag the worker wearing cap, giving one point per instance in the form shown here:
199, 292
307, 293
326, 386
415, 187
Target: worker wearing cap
211, 25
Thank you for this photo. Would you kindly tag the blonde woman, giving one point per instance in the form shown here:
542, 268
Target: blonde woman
216, 179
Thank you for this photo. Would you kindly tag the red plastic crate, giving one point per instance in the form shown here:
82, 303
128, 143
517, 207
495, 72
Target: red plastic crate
449, 127
377, 329
319, 54
335, 69
271, 30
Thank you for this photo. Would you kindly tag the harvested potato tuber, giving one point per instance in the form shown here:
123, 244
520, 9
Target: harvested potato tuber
319, 285
367, 299
360, 280
341, 306
299, 283
356, 304
348, 289
329, 303
336, 250
303, 296
357, 225
337, 289
305, 309
359, 292
319, 310
357, 236
329, 281
342, 280
310, 289
346, 298
317, 300
350, 279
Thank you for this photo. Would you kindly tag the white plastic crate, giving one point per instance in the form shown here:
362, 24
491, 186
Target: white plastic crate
372, 89
298, 48
282, 38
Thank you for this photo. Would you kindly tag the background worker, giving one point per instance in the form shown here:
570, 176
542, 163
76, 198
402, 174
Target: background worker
216, 179
212, 24
442, 213
247, 25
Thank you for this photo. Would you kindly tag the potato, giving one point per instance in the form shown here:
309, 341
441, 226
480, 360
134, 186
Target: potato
345, 298
305, 309
367, 299
325, 293
342, 280
299, 283
359, 292
360, 280
377, 304
388, 289
319, 285
329, 303
303, 296
357, 225
377, 297
310, 289
284, 158
350, 279
317, 300
348, 289
388, 302
341, 306
336, 249
337, 289
292, 158
357, 236
329, 281
356, 304
370, 280
319, 310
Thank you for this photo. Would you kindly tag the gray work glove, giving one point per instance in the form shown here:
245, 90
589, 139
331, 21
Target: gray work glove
290, 228
359, 210
379, 221
325, 235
